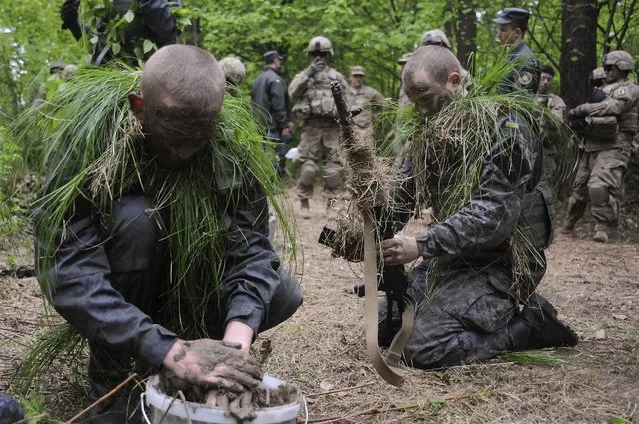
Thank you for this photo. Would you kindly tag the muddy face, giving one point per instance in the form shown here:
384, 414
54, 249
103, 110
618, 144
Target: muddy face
176, 136
428, 95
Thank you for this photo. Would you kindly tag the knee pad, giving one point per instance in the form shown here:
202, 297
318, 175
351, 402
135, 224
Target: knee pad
598, 194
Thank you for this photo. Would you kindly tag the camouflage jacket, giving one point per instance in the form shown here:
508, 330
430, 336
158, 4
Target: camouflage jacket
621, 102
511, 195
369, 100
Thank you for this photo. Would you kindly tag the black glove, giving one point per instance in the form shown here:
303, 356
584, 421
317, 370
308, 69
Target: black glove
69, 16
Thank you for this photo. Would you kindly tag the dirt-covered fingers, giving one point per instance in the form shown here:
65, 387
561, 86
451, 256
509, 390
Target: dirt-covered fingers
236, 375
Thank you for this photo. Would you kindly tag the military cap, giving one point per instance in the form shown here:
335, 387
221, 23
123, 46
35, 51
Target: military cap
271, 55
513, 15
358, 70
404, 58
436, 37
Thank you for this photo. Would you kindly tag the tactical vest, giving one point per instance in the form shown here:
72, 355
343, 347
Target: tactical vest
603, 132
317, 101
536, 221
361, 98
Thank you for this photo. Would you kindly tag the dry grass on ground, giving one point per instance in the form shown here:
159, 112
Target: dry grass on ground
595, 287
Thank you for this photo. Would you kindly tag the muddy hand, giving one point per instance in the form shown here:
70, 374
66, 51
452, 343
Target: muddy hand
213, 363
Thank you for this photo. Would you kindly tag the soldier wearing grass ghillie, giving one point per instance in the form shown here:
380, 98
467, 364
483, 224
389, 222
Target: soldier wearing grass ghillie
478, 163
152, 226
117, 32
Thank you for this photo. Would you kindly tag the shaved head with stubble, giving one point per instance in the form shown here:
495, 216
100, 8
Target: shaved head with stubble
182, 91
431, 77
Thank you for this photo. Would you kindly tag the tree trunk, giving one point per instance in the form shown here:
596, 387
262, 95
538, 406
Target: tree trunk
466, 32
579, 49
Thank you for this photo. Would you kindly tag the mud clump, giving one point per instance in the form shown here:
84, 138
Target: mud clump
238, 403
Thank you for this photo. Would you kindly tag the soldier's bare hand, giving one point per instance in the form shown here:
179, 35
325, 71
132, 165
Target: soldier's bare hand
400, 250
213, 363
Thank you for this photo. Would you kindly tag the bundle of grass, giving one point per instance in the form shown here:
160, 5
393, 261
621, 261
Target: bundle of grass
93, 155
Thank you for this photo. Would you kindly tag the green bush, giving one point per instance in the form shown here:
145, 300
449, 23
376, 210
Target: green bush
13, 203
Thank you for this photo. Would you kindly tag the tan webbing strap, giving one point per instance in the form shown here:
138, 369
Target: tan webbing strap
388, 373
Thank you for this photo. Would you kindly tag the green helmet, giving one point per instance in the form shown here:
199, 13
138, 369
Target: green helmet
234, 70
436, 37
621, 59
320, 44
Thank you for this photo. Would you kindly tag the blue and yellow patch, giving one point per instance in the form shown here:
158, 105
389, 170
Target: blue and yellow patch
510, 123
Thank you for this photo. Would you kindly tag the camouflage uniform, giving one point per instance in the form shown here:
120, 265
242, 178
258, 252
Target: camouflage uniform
468, 303
551, 150
319, 129
366, 98
612, 125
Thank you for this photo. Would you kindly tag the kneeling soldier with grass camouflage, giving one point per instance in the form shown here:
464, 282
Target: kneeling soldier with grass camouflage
154, 220
478, 163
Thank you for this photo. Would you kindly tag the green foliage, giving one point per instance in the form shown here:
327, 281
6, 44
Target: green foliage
33, 404
30, 39
533, 357
117, 26
12, 209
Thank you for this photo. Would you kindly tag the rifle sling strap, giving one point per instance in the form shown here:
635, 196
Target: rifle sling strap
390, 374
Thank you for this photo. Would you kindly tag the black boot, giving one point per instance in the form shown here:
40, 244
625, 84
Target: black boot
537, 327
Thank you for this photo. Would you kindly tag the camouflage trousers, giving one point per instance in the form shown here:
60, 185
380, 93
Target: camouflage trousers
463, 319
319, 141
602, 172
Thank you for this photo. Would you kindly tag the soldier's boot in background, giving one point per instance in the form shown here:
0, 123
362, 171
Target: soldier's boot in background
576, 209
305, 209
537, 327
601, 232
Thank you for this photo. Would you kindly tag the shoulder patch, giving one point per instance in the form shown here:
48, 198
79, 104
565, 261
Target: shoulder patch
277, 80
620, 91
525, 78
510, 123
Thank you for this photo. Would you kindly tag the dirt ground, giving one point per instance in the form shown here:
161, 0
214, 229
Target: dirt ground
322, 350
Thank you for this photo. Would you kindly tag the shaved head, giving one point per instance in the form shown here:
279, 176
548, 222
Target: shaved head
182, 93
185, 76
438, 62
431, 77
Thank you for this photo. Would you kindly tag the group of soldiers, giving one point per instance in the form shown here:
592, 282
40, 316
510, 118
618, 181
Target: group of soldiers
109, 266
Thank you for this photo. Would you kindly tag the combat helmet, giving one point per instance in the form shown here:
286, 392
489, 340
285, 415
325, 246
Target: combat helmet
234, 70
621, 59
436, 37
320, 44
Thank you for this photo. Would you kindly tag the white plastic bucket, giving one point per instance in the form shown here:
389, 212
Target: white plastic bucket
180, 412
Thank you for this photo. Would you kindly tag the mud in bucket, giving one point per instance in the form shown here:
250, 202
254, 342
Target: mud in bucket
159, 408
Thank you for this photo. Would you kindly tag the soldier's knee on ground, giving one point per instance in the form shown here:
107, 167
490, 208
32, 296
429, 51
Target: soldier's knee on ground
598, 194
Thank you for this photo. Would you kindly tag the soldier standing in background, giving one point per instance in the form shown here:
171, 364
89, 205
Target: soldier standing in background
436, 37
513, 23
558, 108
610, 125
272, 105
364, 97
311, 90
234, 72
